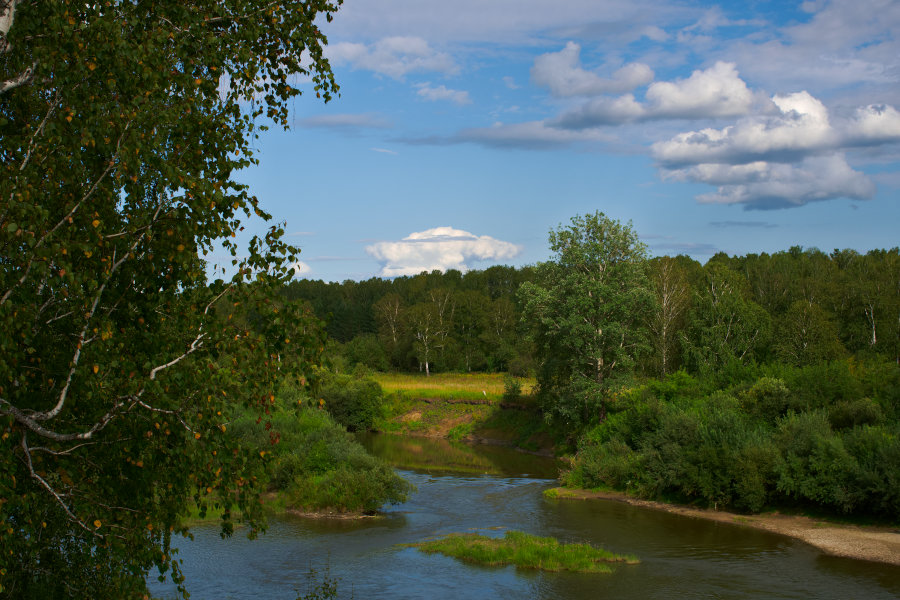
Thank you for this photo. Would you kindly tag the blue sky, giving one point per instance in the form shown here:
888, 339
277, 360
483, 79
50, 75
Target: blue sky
465, 130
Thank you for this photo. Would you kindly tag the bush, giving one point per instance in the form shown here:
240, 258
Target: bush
848, 414
353, 402
820, 386
767, 400
317, 465
512, 389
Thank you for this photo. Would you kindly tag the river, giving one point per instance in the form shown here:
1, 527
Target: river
488, 489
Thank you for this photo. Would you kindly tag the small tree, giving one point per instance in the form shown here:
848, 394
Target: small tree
424, 324
585, 311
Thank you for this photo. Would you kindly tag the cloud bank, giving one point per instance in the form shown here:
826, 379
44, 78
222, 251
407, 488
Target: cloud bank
711, 93
439, 248
795, 155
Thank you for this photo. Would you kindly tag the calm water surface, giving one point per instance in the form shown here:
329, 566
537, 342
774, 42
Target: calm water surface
490, 489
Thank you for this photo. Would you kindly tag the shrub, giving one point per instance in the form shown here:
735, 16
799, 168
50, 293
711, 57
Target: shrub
353, 402
317, 465
512, 389
847, 414
767, 400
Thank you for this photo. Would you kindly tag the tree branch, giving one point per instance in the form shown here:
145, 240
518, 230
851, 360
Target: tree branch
50, 489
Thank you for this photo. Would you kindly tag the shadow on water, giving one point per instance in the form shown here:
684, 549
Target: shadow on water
444, 456
681, 557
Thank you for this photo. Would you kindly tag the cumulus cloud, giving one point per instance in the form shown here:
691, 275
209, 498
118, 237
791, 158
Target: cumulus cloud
439, 93
791, 156
872, 125
562, 74
764, 185
394, 57
800, 125
715, 92
439, 248
602, 111
301, 268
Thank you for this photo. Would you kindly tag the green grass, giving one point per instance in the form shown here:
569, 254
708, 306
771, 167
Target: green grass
525, 551
448, 386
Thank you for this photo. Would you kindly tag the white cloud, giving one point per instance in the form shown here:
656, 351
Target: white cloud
301, 268
715, 92
763, 185
439, 248
561, 72
602, 111
800, 126
510, 83
435, 94
393, 56
383, 151
873, 124
789, 157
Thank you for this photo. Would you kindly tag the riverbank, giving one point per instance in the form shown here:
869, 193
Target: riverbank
476, 421
871, 543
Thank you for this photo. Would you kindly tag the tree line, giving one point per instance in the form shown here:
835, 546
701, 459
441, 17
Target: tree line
796, 307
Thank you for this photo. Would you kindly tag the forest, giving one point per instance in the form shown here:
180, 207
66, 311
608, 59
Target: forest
746, 382
798, 307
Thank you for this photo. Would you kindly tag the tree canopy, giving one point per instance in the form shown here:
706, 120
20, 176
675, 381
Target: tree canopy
587, 309
121, 127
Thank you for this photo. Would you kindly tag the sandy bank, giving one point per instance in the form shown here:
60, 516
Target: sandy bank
877, 544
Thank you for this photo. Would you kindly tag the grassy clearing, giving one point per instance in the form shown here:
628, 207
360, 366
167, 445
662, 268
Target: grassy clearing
463, 407
525, 551
448, 386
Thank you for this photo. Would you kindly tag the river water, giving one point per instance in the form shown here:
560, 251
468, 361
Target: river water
487, 490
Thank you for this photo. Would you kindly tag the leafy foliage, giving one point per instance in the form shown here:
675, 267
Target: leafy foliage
766, 449
586, 309
316, 465
354, 402
120, 366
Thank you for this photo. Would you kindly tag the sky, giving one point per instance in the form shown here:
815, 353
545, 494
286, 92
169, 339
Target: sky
466, 130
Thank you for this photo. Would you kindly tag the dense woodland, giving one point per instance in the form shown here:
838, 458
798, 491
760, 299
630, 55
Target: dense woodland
798, 307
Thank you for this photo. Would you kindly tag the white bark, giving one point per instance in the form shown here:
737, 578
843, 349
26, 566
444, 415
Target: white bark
7, 17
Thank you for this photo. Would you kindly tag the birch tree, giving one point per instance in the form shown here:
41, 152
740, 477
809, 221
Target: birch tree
673, 294
122, 125
586, 310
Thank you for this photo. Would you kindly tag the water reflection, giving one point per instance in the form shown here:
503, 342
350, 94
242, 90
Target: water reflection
681, 557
